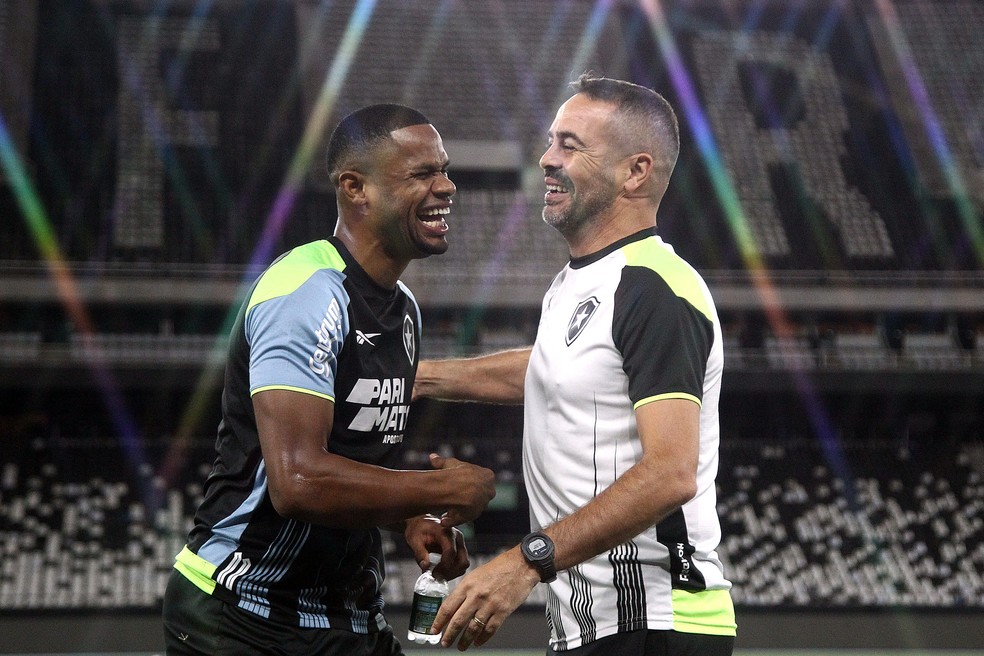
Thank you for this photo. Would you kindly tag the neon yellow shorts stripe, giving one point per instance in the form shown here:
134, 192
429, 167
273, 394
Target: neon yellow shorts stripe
196, 569
710, 612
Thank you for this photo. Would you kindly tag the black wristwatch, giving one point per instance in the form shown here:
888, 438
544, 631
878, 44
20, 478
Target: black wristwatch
538, 550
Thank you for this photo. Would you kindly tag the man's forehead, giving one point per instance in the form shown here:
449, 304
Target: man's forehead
415, 135
581, 115
411, 149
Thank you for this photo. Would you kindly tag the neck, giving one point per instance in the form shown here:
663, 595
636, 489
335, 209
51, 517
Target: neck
619, 222
369, 253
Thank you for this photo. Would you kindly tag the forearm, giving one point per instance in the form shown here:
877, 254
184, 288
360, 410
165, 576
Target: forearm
494, 378
307, 482
344, 493
637, 500
664, 478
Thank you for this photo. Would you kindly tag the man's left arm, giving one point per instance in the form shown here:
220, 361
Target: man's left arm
661, 482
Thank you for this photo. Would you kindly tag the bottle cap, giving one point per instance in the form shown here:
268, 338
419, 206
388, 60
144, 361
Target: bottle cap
434, 558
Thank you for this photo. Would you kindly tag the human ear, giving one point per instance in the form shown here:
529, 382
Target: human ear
640, 167
352, 186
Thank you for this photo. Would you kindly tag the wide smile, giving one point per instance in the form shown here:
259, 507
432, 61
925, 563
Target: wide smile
555, 193
434, 219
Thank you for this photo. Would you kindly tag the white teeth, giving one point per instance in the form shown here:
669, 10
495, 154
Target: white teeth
557, 188
437, 212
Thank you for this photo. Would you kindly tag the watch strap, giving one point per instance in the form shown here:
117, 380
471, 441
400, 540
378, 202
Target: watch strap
545, 564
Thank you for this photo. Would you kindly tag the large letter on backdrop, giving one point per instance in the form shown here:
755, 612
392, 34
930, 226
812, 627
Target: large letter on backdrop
812, 141
148, 127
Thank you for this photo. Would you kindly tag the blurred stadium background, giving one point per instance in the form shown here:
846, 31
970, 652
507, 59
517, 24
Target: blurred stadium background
157, 155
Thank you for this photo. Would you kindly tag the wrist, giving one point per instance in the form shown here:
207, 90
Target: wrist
538, 550
525, 571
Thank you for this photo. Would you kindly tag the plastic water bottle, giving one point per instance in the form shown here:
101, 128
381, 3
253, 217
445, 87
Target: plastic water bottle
428, 593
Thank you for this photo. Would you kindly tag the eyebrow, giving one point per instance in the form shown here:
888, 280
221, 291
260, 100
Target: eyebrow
565, 134
423, 167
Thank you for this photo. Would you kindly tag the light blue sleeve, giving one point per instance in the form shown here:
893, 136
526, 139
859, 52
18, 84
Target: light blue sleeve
294, 339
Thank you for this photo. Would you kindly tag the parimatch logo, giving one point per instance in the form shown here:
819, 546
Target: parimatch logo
385, 407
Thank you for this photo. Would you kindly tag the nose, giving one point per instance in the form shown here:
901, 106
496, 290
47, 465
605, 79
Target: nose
443, 187
548, 161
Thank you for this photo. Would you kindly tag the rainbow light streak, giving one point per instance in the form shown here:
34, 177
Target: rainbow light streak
582, 54
313, 132
493, 95
209, 379
35, 217
196, 24
934, 130
507, 237
548, 44
518, 213
155, 125
723, 187
787, 28
430, 48
586, 45
282, 205
725, 192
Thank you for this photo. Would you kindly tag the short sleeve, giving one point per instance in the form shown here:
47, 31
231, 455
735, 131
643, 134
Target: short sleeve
664, 340
295, 339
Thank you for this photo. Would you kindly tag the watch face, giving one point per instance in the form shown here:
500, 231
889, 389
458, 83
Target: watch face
537, 547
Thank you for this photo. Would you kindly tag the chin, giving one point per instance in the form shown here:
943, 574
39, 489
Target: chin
556, 220
426, 250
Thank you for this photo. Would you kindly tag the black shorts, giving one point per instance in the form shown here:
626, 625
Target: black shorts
198, 624
654, 643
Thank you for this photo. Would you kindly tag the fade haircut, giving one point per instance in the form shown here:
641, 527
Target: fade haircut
646, 120
363, 130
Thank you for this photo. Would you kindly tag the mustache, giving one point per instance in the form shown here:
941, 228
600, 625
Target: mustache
559, 176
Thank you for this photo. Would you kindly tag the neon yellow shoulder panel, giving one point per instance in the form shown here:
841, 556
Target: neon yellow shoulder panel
672, 268
293, 269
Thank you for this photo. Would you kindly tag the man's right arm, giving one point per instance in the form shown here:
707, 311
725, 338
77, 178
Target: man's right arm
309, 483
495, 378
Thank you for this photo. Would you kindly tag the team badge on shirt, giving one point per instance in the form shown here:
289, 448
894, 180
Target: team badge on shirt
409, 343
582, 314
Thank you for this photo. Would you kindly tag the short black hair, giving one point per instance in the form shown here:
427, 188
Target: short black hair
364, 128
648, 110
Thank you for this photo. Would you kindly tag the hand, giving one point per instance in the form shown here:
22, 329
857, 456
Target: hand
426, 535
483, 599
476, 487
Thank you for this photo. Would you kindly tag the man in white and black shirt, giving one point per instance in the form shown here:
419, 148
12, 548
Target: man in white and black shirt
621, 388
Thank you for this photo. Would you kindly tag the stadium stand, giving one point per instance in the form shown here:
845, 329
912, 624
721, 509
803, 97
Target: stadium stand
888, 531
846, 524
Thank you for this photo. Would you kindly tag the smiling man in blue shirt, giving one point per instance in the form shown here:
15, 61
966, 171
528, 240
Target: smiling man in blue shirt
285, 555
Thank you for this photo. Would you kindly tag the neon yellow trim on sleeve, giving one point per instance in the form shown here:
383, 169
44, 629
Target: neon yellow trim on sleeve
293, 269
669, 395
196, 569
710, 612
679, 275
289, 388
